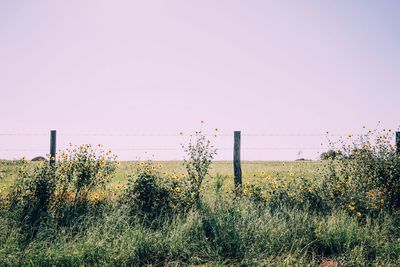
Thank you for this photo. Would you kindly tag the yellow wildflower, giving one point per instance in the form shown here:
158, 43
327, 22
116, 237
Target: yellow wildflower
246, 191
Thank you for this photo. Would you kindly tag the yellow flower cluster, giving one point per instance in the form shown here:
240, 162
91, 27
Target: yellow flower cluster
96, 196
352, 208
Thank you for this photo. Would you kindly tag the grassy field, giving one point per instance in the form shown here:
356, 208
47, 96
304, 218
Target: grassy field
285, 223
253, 172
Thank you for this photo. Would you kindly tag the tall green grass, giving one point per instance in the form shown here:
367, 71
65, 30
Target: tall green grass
234, 232
343, 212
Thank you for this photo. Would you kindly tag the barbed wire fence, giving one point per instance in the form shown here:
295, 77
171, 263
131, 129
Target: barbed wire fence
237, 152
132, 145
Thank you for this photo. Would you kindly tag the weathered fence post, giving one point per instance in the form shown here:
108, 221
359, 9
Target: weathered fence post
53, 135
237, 169
398, 142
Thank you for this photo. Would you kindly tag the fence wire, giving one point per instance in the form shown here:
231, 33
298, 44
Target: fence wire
132, 141
185, 134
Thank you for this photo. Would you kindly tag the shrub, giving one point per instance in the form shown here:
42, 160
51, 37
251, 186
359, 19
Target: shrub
254, 193
331, 154
31, 197
82, 170
60, 192
149, 195
200, 154
367, 177
82, 173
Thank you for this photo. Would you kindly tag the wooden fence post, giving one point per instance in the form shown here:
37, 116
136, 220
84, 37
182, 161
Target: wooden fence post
398, 142
237, 169
53, 135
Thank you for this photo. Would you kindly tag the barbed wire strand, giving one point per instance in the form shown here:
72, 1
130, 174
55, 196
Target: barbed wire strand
21, 150
178, 149
185, 135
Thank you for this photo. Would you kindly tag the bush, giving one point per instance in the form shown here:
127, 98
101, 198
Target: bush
366, 178
149, 195
82, 174
199, 157
331, 154
31, 197
82, 170
59, 193
254, 193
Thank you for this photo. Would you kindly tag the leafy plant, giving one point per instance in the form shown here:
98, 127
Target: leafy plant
331, 154
200, 153
150, 196
83, 170
367, 177
60, 192
31, 197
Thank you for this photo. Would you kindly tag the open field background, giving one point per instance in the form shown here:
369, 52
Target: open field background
288, 213
255, 172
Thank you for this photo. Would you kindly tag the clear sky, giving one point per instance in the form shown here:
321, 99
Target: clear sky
164, 66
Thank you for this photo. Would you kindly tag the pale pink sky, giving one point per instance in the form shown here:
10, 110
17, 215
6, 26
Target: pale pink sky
163, 66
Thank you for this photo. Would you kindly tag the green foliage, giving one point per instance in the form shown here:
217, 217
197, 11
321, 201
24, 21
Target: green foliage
254, 193
82, 170
344, 214
367, 178
200, 154
82, 173
234, 233
32, 196
149, 195
58, 193
331, 154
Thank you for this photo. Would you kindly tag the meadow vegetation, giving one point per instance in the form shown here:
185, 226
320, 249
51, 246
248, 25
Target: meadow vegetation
89, 209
